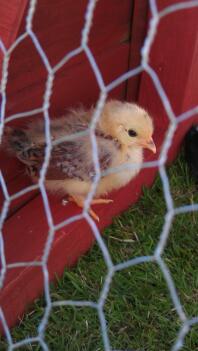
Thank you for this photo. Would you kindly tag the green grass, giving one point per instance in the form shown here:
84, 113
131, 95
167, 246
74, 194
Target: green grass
138, 309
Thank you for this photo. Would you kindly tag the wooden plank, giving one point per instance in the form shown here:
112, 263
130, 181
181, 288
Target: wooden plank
138, 32
21, 181
59, 36
161, 5
27, 70
69, 83
173, 57
11, 16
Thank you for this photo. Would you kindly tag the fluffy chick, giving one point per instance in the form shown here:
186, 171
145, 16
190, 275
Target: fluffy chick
123, 131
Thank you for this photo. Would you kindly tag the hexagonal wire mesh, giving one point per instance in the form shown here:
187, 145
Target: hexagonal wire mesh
156, 16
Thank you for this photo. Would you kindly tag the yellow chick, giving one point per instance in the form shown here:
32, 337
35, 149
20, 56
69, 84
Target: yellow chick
123, 131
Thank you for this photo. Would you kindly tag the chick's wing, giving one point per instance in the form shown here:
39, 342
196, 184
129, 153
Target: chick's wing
69, 160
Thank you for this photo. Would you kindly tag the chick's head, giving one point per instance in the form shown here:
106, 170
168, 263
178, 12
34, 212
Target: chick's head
130, 124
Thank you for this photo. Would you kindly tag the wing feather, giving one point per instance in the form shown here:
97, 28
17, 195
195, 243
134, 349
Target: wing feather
71, 159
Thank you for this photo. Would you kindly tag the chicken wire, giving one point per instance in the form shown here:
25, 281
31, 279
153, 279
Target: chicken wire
156, 16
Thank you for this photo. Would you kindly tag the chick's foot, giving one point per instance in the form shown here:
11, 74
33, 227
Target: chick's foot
80, 200
101, 201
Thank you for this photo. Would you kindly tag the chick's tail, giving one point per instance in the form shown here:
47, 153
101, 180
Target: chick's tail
15, 141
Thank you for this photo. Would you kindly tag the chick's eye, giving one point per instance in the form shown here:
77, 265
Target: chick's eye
132, 133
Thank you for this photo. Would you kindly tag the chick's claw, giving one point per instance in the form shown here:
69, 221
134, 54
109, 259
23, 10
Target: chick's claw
80, 200
93, 215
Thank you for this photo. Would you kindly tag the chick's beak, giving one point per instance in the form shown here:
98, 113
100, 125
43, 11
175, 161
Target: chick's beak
149, 144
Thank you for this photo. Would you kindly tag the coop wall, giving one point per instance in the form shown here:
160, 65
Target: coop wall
116, 37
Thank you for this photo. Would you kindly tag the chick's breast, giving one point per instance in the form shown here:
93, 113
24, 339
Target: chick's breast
130, 160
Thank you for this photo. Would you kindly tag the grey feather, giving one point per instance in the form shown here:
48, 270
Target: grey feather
69, 159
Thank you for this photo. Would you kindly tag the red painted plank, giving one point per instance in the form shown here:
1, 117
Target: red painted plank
173, 57
15, 185
176, 44
69, 83
11, 16
58, 36
162, 4
138, 32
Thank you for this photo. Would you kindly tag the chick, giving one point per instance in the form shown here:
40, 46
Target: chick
123, 131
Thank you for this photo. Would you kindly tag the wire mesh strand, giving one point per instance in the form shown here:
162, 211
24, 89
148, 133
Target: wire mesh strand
156, 16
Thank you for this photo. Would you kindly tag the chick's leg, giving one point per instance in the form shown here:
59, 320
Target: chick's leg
101, 201
80, 200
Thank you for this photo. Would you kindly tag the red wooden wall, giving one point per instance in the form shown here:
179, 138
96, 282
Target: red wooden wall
11, 15
117, 34
109, 39
173, 57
